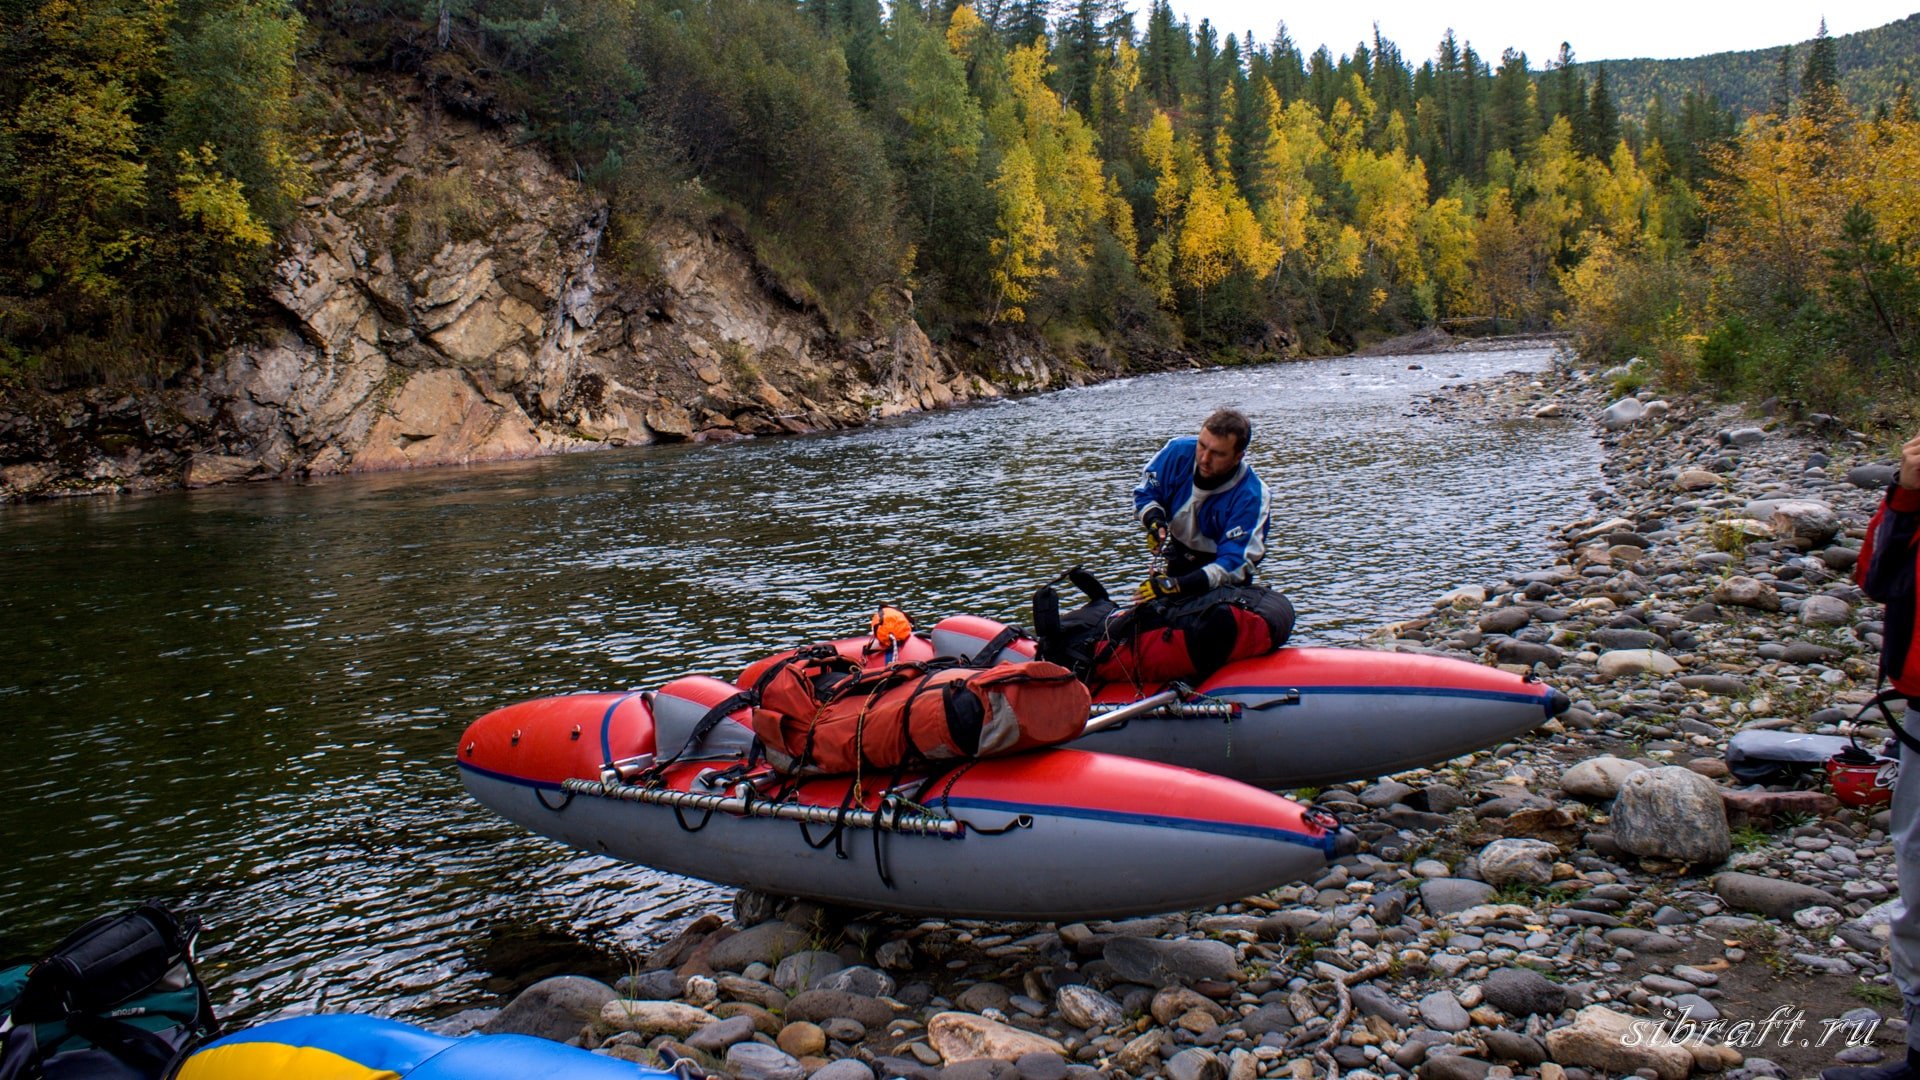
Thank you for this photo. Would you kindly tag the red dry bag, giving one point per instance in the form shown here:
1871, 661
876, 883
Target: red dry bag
912, 712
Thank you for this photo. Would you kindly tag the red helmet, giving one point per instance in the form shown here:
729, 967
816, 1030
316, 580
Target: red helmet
1859, 778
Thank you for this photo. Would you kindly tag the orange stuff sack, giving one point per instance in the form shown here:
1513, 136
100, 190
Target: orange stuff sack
913, 713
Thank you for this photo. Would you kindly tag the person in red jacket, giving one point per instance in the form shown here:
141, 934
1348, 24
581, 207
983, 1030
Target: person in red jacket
1887, 572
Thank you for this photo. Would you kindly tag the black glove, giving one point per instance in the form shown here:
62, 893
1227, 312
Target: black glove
1156, 525
1156, 587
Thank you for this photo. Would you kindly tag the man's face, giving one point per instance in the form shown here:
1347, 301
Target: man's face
1216, 457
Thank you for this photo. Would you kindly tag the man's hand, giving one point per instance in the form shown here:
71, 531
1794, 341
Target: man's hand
1910, 464
1155, 522
1157, 587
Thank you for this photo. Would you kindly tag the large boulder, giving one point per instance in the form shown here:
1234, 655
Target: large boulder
655, 1017
1623, 663
763, 944
1743, 591
1812, 524
758, 1061
553, 1008
1504, 620
959, 1036
1602, 1039
1195, 1063
1518, 862
818, 1006
1154, 962
1769, 896
1761, 808
1825, 611
1510, 651
1445, 896
1622, 414
1519, 991
1598, 778
715, 1038
1672, 813
1443, 1012
1085, 1007
805, 969
1872, 477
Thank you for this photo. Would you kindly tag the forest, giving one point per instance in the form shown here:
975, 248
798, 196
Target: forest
1073, 172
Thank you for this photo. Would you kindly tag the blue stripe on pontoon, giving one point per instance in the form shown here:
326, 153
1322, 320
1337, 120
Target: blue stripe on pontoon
606, 726
1401, 691
1085, 813
541, 785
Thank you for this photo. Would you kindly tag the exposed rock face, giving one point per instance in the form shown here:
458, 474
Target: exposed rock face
447, 297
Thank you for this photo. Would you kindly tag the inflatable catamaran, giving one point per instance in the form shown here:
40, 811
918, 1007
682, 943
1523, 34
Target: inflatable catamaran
889, 759
1050, 834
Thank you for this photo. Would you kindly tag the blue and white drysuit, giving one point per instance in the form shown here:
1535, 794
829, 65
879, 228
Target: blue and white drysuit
1219, 532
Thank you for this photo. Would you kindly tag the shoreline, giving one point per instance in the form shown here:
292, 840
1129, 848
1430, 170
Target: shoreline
1427, 950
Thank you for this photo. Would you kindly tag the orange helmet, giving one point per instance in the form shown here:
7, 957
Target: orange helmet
890, 627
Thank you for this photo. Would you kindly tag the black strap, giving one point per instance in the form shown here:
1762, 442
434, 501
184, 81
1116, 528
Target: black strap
742, 699
1087, 583
993, 648
146, 1051
1879, 701
136, 1046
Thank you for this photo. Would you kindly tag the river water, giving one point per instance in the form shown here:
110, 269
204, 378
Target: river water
247, 699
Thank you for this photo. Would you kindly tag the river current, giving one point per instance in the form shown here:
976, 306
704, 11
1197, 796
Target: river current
246, 700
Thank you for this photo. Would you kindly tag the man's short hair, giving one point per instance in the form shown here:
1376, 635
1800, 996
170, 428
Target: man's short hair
1231, 422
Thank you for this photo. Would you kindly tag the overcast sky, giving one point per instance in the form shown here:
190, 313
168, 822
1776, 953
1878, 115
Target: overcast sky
1603, 30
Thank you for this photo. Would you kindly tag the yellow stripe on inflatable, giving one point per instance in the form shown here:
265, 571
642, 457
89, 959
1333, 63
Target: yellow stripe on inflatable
275, 1061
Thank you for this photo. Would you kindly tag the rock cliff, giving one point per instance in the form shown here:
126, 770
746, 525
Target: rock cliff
448, 296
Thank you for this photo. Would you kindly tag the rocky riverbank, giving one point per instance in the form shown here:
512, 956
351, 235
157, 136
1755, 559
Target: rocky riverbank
448, 296
1552, 907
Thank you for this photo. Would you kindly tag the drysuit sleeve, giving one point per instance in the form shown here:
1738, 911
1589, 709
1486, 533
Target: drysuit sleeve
1886, 567
1245, 542
1151, 493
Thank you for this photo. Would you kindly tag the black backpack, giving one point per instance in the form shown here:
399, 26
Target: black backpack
118, 999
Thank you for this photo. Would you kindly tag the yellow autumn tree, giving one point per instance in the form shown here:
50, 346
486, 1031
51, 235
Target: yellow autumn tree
1501, 259
1546, 197
1295, 148
1157, 146
1389, 195
965, 33
1077, 196
1446, 235
1783, 190
1623, 198
1027, 240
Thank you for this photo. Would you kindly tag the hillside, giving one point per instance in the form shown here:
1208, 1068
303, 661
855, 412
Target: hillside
1873, 66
